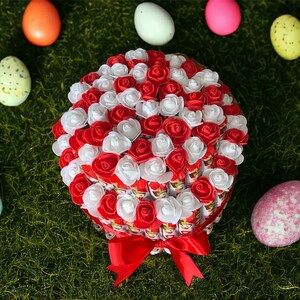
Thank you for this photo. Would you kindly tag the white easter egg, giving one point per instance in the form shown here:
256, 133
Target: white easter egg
15, 81
153, 24
285, 36
275, 218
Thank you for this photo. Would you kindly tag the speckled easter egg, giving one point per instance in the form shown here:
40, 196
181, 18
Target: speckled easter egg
285, 36
275, 219
15, 81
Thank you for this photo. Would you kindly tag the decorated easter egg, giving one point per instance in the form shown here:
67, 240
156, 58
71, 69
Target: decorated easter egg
285, 36
15, 81
1, 206
41, 23
223, 17
275, 219
153, 24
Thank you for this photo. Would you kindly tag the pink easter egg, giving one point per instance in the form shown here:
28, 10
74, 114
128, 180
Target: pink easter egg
223, 17
275, 218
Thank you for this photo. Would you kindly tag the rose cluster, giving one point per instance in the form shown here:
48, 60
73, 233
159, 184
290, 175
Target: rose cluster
151, 143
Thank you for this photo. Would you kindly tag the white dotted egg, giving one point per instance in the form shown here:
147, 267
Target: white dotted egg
15, 81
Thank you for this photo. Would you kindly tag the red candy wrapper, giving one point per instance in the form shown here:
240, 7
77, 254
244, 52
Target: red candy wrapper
158, 190
187, 225
119, 186
169, 230
140, 189
194, 171
118, 224
152, 233
134, 230
177, 184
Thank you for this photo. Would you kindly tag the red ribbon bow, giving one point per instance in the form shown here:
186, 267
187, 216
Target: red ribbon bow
127, 253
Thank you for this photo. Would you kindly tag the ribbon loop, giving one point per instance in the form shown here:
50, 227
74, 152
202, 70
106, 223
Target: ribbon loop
127, 253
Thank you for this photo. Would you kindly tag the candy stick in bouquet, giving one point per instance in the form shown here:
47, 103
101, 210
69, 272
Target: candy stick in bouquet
158, 190
193, 172
191, 211
140, 189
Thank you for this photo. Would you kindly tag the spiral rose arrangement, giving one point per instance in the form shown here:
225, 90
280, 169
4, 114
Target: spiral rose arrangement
151, 144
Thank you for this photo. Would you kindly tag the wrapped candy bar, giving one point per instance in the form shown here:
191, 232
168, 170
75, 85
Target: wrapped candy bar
149, 150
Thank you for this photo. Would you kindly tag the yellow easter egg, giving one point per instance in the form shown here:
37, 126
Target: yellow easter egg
285, 36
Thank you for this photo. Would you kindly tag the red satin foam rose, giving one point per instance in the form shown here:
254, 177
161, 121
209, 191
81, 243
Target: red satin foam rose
151, 125
203, 190
120, 58
140, 150
171, 87
58, 130
214, 95
92, 96
194, 101
232, 109
208, 132
77, 187
158, 74
120, 113
226, 164
237, 136
146, 215
190, 68
77, 140
108, 206
105, 164
90, 78
177, 160
148, 90
97, 132
66, 157
177, 129
123, 83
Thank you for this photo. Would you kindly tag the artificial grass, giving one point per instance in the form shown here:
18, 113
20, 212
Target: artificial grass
50, 250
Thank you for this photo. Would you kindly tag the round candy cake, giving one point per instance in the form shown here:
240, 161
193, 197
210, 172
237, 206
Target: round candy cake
150, 147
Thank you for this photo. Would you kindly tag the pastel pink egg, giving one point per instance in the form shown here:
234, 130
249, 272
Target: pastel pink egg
223, 17
275, 218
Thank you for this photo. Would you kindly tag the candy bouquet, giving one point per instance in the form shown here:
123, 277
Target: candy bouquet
150, 150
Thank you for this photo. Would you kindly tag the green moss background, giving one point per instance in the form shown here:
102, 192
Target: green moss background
50, 250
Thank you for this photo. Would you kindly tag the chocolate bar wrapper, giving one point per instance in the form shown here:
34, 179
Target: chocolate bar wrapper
209, 228
118, 225
193, 173
140, 189
152, 233
133, 230
169, 230
158, 190
208, 208
187, 225
177, 184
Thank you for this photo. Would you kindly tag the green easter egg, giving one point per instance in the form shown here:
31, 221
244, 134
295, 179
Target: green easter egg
285, 36
15, 81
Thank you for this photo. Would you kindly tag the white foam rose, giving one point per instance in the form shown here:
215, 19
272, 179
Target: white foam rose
195, 149
188, 202
171, 105
191, 117
139, 72
207, 76
109, 100
231, 150
192, 85
131, 128
115, 142
154, 169
119, 70
104, 70
168, 210
127, 170
213, 113
87, 153
126, 207
219, 178
146, 109
175, 60
104, 83
227, 100
61, 144
179, 75
76, 91
91, 198
129, 98
96, 112
162, 145
74, 119
238, 122
69, 172
139, 54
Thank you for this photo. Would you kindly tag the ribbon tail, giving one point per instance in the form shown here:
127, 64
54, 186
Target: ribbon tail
123, 271
186, 266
